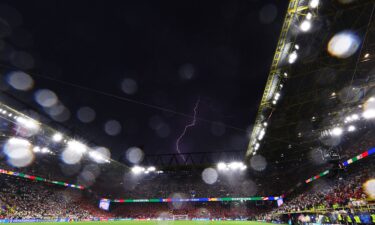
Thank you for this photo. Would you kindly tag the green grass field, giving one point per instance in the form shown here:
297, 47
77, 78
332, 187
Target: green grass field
164, 223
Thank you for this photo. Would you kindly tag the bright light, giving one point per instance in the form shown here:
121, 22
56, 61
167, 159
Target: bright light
265, 124
296, 47
355, 117
314, 4
137, 169
351, 128
18, 152
27, 123
344, 44
367, 55
151, 169
221, 166
36, 149
292, 57
235, 165
305, 25
309, 16
277, 96
77, 146
261, 134
100, 155
45, 150
369, 114
256, 146
57, 137
337, 131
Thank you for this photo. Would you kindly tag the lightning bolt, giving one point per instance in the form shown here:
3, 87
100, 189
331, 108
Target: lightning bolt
191, 124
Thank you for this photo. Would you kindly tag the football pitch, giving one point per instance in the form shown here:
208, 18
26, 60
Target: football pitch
160, 223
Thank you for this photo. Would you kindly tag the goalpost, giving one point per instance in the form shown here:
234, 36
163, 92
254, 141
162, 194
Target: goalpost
180, 217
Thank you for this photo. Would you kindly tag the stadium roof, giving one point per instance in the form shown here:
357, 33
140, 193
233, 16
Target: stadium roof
310, 92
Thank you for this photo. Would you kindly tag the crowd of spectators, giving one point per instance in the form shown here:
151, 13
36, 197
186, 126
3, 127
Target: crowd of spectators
344, 189
20, 198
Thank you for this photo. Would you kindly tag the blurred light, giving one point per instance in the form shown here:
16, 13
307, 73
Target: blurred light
305, 25
151, 169
100, 155
73, 152
209, 175
314, 4
343, 44
285, 74
18, 152
235, 165
367, 55
36, 149
46, 98
86, 114
134, 155
369, 114
351, 128
277, 96
265, 124
28, 123
57, 137
274, 102
20, 80
309, 16
45, 150
355, 117
129, 86
369, 188
261, 134
77, 146
337, 131
292, 57
256, 146
296, 47
221, 166
137, 169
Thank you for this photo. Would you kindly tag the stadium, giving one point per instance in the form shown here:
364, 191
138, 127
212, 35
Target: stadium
187, 112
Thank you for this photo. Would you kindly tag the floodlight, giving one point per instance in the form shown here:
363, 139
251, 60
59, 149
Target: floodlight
292, 57
57, 137
261, 134
314, 4
351, 128
305, 25
137, 169
77, 146
337, 131
309, 16
36, 149
221, 166
27, 123
369, 114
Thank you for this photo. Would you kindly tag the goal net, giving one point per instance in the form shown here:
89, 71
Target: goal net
180, 217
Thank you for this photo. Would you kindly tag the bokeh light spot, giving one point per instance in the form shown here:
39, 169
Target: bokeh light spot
20, 80
209, 175
46, 98
343, 44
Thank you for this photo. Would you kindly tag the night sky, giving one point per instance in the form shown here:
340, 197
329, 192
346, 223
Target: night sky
145, 63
